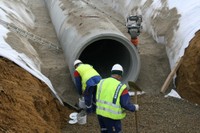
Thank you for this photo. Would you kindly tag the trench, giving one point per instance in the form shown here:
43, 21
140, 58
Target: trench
99, 44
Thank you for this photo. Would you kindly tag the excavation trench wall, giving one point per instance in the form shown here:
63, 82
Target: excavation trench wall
88, 35
173, 24
176, 25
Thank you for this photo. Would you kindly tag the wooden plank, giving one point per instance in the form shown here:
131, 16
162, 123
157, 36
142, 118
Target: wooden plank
171, 75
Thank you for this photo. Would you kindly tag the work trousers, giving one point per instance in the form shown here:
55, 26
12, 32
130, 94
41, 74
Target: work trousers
108, 125
90, 98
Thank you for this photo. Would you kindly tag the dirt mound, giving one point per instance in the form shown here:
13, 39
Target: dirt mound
188, 76
27, 104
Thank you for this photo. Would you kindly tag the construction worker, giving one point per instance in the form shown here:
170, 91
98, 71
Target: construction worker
112, 99
86, 78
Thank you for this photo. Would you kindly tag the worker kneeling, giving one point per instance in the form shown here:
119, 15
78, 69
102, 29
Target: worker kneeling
112, 99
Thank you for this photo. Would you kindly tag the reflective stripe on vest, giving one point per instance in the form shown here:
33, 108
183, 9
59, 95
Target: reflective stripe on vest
86, 71
108, 99
117, 93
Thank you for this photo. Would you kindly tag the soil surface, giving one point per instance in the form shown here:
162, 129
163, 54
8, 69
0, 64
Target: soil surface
188, 74
27, 104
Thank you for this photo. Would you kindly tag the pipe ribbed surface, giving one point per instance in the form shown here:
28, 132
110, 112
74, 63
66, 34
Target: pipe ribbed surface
87, 34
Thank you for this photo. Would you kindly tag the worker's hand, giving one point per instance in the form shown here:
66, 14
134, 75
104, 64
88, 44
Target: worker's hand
136, 107
89, 109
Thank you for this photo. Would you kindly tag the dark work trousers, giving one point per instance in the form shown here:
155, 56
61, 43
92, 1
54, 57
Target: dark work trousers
108, 125
90, 98
94, 100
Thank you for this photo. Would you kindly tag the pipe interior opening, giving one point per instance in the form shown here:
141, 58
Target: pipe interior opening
104, 53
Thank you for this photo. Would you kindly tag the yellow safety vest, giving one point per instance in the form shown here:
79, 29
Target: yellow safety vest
108, 95
86, 71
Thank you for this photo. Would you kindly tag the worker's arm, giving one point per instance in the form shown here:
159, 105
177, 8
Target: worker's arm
78, 82
125, 101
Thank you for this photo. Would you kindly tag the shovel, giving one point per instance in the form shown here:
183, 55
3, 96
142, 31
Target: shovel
136, 89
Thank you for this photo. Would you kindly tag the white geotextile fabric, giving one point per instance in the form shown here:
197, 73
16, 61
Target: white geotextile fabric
188, 23
19, 11
23, 61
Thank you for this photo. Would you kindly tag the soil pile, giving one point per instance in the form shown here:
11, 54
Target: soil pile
27, 104
188, 76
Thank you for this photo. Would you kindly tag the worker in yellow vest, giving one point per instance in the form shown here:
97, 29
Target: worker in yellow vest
112, 99
86, 78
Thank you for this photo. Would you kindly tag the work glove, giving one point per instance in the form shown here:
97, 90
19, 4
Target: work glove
89, 109
136, 107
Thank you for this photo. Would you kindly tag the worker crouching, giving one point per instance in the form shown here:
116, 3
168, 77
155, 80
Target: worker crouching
112, 99
86, 78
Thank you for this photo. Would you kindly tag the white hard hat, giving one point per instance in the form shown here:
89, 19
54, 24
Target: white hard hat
77, 62
117, 67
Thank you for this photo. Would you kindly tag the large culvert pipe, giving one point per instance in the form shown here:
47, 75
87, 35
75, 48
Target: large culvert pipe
87, 34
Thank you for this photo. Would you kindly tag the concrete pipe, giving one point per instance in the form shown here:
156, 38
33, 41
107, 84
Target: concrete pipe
88, 35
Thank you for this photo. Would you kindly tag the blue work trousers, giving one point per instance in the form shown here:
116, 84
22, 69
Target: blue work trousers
108, 125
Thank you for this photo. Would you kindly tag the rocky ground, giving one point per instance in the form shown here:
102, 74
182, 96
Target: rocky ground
27, 105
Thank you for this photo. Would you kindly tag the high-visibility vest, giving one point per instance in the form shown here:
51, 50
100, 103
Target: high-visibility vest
86, 71
108, 95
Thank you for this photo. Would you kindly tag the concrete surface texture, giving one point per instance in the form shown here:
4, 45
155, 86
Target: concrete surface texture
27, 105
